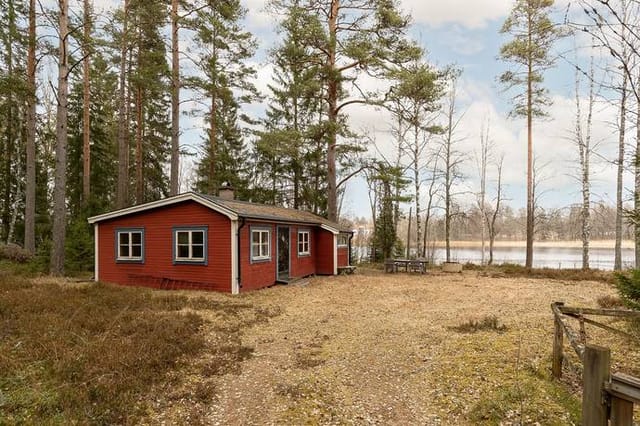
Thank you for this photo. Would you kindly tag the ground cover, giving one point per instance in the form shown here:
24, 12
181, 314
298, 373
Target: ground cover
471, 348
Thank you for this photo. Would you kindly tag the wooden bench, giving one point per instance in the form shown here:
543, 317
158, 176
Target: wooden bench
390, 266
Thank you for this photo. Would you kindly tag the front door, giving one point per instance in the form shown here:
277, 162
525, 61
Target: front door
283, 254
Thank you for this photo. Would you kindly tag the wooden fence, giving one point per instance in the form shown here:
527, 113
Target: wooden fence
605, 396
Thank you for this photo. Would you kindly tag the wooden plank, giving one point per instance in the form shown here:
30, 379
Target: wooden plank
574, 339
597, 361
595, 311
603, 326
625, 387
558, 342
621, 412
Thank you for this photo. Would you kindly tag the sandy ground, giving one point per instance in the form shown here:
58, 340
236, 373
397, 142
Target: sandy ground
376, 348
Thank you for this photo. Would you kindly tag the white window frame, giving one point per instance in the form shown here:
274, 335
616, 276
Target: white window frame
129, 232
346, 238
190, 231
262, 256
302, 242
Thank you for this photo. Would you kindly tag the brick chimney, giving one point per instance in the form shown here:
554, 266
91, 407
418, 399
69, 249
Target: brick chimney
226, 191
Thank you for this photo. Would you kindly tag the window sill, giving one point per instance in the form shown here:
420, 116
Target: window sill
133, 260
189, 262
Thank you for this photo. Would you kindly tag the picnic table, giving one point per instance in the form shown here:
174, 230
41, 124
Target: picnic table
408, 265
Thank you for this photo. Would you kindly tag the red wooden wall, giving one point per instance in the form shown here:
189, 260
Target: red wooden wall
158, 269
258, 274
324, 251
343, 256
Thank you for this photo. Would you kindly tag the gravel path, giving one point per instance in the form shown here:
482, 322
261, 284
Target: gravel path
380, 349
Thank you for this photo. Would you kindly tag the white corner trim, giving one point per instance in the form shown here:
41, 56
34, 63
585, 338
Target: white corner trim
335, 254
235, 287
166, 202
95, 250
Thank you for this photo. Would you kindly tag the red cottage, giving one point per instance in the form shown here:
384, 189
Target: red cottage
197, 241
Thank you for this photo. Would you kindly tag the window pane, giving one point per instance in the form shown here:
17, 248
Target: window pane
124, 238
136, 238
136, 251
264, 249
255, 236
255, 250
183, 237
124, 251
183, 251
198, 252
197, 237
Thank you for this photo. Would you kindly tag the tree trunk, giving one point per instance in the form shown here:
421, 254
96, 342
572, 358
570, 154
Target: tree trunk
175, 101
9, 176
60, 180
530, 201
586, 179
30, 190
122, 193
636, 191
212, 145
139, 149
416, 178
408, 251
86, 103
617, 265
332, 95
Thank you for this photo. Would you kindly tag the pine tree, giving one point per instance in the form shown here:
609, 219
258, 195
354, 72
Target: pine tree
224, 48
530, 50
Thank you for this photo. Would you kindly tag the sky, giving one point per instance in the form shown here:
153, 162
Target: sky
453, 33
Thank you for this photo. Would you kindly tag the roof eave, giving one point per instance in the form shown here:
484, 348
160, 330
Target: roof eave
187, 196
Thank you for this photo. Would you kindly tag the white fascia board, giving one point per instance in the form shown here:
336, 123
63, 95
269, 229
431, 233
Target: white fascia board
331, 229
188, 196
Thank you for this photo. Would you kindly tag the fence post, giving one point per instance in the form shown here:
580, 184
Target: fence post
621, 412
597, 362
558, 342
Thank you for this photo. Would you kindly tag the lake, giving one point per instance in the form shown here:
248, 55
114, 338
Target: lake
543, 257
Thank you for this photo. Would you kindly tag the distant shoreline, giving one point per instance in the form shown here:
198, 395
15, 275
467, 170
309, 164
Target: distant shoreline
626, 244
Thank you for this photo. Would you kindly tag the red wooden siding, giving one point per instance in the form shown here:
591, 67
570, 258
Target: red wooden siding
324, 252
343, 256
158, 269
302, 265
261, 273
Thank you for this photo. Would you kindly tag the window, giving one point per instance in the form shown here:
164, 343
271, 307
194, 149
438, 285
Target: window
190, 245
343, 240
260, 244
303, 243
130, 245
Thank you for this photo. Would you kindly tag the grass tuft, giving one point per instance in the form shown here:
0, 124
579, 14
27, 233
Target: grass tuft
487, 323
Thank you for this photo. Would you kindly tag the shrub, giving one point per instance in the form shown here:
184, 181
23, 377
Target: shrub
488, 323
14, 253
628, 285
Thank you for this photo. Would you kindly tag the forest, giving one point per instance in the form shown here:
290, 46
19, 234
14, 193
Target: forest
92, 102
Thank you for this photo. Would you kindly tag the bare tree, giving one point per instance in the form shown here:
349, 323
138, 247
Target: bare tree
86, 103
60, 180
491, 217
482, 159
582, 135
451, 159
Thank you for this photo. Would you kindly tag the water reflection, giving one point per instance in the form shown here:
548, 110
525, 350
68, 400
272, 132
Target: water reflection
543, 257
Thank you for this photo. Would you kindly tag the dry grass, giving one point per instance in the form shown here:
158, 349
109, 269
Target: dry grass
509, 270
366, 348
92, 353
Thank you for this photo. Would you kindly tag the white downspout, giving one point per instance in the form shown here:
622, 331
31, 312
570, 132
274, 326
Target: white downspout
235, 288
95, 250
335, 254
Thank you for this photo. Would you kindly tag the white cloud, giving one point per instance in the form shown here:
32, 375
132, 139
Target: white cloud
470, 14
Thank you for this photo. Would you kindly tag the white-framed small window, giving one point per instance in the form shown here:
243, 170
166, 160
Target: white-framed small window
190, 245
343, 240
260, 244
304, 248
130, 245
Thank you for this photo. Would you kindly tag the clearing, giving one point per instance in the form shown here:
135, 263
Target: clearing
388, 349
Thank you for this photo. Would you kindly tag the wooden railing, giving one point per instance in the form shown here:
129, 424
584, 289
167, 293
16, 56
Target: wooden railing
605, 396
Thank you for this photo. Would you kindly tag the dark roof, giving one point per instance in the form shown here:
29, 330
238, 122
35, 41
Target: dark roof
273, 213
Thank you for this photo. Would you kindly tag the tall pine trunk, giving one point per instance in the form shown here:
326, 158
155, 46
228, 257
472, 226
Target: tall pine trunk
530, 200
175, 100
122, 192
30, 190
60, 179
139, 148
9, 135
86, 104
332, 95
